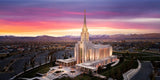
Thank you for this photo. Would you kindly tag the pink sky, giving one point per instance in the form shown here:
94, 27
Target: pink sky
60, 18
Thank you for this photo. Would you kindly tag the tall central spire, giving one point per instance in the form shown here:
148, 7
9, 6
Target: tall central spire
84, 33
84, 25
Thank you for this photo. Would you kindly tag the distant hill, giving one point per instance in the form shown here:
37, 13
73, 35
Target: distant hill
92, 37
38, 38
137, 36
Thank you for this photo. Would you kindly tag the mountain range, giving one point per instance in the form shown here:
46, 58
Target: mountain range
92, 37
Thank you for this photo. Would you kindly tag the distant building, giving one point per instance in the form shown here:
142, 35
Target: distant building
20, 49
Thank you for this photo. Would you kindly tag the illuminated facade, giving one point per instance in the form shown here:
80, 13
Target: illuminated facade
89, 55
85, 50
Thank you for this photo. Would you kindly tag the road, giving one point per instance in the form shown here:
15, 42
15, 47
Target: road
18, 64
144, 72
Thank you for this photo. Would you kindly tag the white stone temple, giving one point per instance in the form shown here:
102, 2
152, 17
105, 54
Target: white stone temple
89, 56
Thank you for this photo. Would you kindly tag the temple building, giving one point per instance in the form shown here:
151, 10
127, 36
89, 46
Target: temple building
89, 56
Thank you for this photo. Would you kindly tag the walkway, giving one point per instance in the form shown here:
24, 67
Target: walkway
98, 75
144, 72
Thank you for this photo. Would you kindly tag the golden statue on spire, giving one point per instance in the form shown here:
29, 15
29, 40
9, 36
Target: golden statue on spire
84, 33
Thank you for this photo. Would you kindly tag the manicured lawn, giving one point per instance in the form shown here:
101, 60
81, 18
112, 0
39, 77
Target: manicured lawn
114, 72
117, 71
150, 58
128, 62
144, 56
132, 54
32, 73
81, 77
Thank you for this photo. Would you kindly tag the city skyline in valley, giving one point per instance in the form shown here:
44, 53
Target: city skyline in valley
61, 18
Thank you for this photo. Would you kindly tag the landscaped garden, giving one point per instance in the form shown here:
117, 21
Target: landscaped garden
59, 71
127, 61
32, 73
115, 72
81, 77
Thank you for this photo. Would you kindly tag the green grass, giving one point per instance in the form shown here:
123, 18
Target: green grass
81, 77
32, 73
117, 71
114, 72
144, 56
151, 58
43, 70
130, 62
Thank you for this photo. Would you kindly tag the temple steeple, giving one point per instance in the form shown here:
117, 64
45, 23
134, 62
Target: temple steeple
84, 24
84, 33
84, 18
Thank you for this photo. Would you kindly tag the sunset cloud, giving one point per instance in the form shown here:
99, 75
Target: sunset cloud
54, 17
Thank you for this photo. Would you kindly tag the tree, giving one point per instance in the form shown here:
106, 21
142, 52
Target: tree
65, 56
90, 73
51, 58
25, 66
127, 53
46, 59
11, 68
108, 66
99, 69
70, 56
40, 62
32, 62
112, 74
54, 60
118, 74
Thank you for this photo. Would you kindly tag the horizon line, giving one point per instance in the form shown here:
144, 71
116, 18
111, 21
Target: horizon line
79, 35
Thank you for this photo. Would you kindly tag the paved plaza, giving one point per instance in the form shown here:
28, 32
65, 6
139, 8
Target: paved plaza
58, 72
